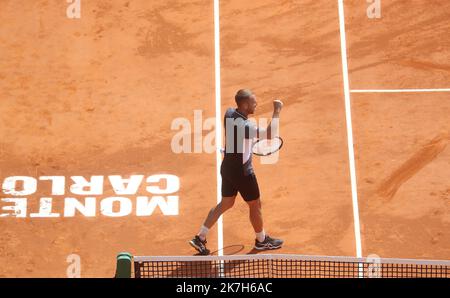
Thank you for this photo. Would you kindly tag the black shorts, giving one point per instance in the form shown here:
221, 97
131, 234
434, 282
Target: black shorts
234, 182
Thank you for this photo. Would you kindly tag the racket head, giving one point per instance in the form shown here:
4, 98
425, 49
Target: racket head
265, 147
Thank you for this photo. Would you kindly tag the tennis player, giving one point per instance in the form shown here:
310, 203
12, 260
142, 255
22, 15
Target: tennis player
237, 170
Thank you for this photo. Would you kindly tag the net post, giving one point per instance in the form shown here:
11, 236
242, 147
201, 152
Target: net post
123, 265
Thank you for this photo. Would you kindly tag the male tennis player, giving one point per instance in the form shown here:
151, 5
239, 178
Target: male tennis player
237, 170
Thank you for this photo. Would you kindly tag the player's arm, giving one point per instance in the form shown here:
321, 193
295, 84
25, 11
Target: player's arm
271, 131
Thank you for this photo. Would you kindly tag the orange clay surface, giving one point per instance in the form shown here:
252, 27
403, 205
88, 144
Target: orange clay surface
97, 96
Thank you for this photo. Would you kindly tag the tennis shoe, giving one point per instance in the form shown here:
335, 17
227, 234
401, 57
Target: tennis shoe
268, 243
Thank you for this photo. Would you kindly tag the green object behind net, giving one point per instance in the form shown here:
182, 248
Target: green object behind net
123, 268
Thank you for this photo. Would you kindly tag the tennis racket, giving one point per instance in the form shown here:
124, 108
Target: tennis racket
265, 147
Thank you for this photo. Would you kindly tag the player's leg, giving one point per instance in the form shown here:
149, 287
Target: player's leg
229, 193
250, 192
256, 218
216, 212
199, 241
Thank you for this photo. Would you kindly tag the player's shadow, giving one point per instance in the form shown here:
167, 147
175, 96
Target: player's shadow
255, 251
213, 268
227, 250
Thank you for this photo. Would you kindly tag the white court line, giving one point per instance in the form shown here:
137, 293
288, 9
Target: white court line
398, 90
348, 114
218, 122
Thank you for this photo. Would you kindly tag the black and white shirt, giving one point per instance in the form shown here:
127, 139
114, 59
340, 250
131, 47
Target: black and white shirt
239, 135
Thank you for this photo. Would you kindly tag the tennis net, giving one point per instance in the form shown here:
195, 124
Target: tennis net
286, 266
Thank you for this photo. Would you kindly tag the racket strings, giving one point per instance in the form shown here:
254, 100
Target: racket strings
267, 146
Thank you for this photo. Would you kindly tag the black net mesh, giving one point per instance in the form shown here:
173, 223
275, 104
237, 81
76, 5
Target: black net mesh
284, 268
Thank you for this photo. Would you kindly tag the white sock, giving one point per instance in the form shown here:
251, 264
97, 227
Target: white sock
261, 236
203, 232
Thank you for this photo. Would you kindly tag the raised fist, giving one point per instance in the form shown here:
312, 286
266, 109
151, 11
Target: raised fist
277, 105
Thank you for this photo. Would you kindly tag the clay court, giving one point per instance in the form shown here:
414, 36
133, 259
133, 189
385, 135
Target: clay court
97, 96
